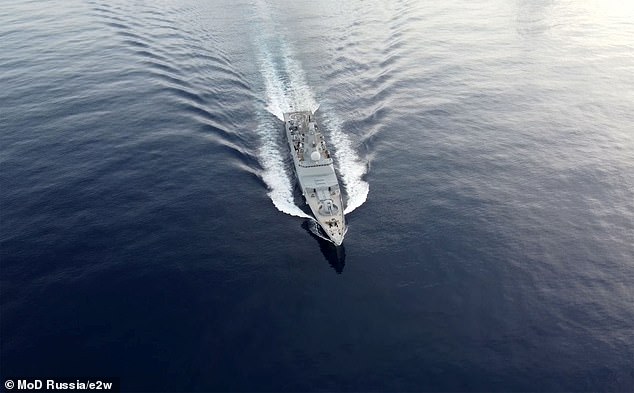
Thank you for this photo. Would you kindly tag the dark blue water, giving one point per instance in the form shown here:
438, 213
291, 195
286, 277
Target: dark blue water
149, 221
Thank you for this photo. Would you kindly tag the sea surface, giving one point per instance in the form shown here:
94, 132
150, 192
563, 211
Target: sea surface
151, 228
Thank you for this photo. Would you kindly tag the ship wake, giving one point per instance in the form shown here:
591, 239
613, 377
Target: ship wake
286, 89
351, 168
276, 173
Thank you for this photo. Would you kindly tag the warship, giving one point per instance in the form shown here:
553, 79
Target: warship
316, 173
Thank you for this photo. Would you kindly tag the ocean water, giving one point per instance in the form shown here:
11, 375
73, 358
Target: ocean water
151, 228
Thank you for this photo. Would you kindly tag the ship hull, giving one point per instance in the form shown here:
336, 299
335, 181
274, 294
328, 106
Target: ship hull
316, 173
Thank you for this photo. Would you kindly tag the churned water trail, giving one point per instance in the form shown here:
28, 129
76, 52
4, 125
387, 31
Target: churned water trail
351, 168
276, 174
287, 89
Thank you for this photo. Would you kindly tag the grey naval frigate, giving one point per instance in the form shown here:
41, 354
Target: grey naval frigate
316, 173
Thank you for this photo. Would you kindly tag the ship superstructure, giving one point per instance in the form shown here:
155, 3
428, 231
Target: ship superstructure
316, 173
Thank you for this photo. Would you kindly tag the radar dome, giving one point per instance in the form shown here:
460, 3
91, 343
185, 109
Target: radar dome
315, 156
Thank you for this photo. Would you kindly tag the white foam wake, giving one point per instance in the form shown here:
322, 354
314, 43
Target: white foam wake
281, 96
275, 174
351, 167
286, 90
